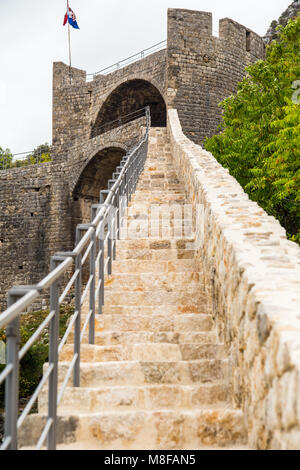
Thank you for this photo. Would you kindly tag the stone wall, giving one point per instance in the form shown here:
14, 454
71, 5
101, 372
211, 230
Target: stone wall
252, 273
193, 74
38, 207
204, 69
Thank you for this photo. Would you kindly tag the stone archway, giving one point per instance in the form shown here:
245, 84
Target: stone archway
93, 178
127, 98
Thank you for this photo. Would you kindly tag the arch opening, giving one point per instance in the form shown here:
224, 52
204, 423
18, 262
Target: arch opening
128, 98
93, 178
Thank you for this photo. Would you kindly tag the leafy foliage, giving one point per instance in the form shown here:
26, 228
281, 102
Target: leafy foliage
260, 134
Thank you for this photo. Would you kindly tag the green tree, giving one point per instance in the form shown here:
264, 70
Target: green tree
5, 158
260, 134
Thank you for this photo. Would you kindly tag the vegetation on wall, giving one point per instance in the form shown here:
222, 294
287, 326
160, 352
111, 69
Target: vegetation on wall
260, 135
40, 154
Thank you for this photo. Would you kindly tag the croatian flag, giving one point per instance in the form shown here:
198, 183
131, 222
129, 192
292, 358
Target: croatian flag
71, 18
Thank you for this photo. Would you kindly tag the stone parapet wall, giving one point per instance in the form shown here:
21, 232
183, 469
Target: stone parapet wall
204, 69
32, 204
78, 156
252, 273
193, 74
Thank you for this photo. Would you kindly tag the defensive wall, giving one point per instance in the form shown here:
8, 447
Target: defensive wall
252, 273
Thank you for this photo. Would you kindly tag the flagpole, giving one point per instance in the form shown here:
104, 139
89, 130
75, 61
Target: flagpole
69, 37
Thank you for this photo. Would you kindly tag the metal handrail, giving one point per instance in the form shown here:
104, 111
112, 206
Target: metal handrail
129, 60
92, 242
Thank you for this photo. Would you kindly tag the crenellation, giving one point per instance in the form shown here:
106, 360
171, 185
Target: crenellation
251, 275
37, 206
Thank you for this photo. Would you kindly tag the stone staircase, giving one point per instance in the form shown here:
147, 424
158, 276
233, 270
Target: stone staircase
157, 377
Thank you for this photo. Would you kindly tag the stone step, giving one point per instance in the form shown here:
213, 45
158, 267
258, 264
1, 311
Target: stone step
168, 189
156, 266
95, 374
148, 397
88, 445
158, 177
169, 281
159, 160
158, 201
191, 296
158, 185
158, 193
136, 229
131, 337
144, 352
158, 173
154, 323
143, 429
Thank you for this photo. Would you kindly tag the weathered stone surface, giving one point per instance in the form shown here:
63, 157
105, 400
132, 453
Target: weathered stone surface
251, 273
40, 205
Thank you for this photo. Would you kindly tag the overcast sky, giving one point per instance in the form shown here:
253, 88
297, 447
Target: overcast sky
32, 38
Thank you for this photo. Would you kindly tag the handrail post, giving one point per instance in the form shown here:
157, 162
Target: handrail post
12, 381
92, 289
53, 359
109, 241
78, 285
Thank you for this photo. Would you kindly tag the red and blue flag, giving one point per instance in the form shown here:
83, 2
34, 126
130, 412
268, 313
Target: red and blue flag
71, 18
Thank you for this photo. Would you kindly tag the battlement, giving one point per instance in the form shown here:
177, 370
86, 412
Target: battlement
62, 73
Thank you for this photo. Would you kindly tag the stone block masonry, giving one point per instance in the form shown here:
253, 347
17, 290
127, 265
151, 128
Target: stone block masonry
204, 69
252, 273
194, 73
